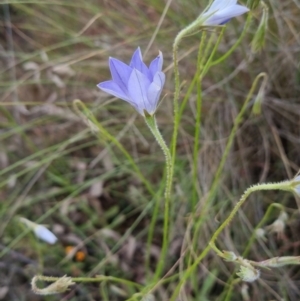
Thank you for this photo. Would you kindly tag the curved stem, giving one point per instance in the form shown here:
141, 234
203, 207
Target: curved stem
236, 44
218, 173
78, 103
286, 186
260, 224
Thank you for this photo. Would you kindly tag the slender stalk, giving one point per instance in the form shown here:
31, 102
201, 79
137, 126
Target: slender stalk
198, 123
154, 215
99, 278
194, 81
184, 32
217, 177
260, 224
236, 44
201, 71
77, 104
151, 122
231, 280
178, 113
234, 282
175, 101
209, 61
285, 186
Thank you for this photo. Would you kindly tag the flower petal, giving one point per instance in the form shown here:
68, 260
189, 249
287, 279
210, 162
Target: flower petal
221, 4
138, 85
154, 91
120, 73
44, 234
137, 63
112, 88
156, 64
225, 15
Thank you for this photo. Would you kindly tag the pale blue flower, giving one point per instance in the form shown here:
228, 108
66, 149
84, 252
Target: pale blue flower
44, 234
40, 231
136, 83
221, 11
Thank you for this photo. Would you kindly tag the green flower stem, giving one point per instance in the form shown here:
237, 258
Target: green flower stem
236, 44
196, 146
151, 122
285, 186
194, 81
190, 29
78, 106
230, 289
176, 99
266, 217
209, 45
178, 113
152, 287
154, 215
201, 71
198, 122
209, 61
98, 278
217, 177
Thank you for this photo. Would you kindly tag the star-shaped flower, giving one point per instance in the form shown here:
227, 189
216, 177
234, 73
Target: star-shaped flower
136, 83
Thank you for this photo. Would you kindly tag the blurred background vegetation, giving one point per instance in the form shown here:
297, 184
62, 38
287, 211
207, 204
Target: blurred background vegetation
56, 171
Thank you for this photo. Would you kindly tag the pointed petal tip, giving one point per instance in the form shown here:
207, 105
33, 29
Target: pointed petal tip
242, 8
138, 50
100, 85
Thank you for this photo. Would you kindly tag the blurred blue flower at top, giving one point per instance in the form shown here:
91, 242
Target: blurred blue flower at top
136, 83
221, 11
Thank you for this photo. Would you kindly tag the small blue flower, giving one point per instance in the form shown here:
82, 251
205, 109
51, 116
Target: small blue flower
221, 11
137, 84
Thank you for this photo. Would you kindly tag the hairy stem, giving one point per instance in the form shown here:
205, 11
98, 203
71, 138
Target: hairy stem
151, 122
286, 186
